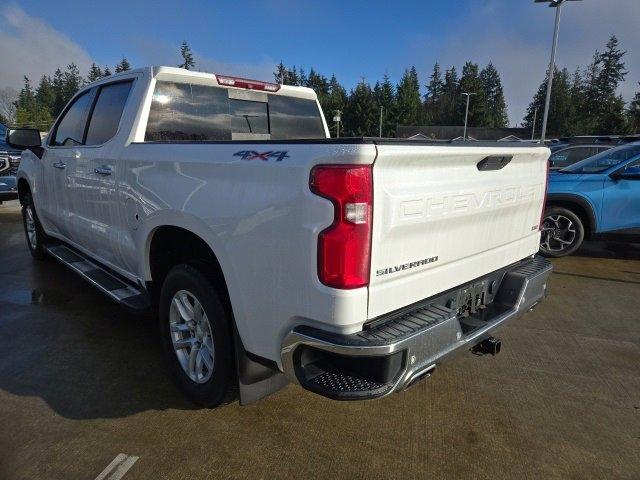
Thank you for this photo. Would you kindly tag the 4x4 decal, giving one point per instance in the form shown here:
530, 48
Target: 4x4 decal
264, 156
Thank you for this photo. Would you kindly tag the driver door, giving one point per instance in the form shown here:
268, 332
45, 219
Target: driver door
59, 164
621, 200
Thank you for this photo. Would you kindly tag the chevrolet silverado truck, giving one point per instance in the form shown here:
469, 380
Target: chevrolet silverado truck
274, 253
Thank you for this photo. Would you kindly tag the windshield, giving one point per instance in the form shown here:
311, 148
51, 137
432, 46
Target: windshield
605, 160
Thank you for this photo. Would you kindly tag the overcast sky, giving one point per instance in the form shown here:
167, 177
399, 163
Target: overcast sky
352, 39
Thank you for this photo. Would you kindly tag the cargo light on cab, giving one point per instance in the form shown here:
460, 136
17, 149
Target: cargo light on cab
246, 83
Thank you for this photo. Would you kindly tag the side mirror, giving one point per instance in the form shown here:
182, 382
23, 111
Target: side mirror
23, 138
625, 175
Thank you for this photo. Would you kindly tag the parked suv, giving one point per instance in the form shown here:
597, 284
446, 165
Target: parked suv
599, 196
571, 154
273, 253
9, 162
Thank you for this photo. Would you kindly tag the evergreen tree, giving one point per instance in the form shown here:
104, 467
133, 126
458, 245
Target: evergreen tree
303, 80
58, 89
449, 101
45, 94
317, 82
187, 57
470, 82
385, 97
106, 72
610, 111
28, 112
123, 66
496, 114
578, 122
73, 81
361, 115
634, 113
408, 98
280, 75
560, 108
336, 102
432, 100
94, 73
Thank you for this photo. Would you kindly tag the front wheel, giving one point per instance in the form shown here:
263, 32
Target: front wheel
562, 232
196, 332
33, 229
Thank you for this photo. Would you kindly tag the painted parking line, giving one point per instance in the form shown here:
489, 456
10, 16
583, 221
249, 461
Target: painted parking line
118, 467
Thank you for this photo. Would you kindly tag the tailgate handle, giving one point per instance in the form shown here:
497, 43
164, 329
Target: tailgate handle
494, 162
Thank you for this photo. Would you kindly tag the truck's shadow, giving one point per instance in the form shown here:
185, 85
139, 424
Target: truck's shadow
609, 249
85, 356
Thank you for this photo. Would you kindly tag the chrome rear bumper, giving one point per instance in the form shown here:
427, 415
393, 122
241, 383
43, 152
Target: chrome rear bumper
407, 345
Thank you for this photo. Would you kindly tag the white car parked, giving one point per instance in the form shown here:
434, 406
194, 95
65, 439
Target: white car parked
272, 252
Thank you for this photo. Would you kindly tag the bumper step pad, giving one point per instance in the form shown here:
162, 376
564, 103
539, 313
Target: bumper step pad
100, 277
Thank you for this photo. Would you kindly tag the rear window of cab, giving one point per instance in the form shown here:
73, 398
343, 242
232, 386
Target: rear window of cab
187, 112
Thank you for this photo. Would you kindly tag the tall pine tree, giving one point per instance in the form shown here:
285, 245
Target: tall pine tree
123, 66
95, 73
470, 82
336, 102
560, 107
449, 102
496, 114
409, 104
361, 114
432, 111
187, 57
385, 97
610, 113
634, 113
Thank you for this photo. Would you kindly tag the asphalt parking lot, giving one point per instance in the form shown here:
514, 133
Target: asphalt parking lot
82, 381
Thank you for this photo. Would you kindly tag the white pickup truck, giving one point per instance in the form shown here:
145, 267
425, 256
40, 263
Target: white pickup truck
274, 253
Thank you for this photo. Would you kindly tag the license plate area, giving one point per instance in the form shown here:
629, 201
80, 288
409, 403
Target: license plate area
472, 298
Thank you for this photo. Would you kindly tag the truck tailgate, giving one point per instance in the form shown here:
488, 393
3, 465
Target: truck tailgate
444, 215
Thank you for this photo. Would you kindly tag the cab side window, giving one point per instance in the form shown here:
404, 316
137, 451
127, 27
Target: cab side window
70, 129
107, 112
633, 168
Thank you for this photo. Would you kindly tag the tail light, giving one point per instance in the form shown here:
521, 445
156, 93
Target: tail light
344, 248
544, 199
246, 83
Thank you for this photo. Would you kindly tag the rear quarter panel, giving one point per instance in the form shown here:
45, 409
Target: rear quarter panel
259, 218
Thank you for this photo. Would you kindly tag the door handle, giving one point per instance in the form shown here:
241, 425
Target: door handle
103, 171
59, 165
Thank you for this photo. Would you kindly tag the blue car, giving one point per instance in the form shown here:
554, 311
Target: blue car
599, 196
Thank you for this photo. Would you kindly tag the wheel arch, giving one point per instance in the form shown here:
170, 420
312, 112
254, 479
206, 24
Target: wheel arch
23, 189
169, 245
580, 206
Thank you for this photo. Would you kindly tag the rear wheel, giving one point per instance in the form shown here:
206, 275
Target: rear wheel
562, 232
33, 229
196, 333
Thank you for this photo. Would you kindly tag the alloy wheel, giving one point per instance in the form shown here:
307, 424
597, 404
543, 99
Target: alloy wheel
191, 336
30, 223
558, 233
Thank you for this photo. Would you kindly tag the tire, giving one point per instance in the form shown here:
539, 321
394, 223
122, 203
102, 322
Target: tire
36, 238
199, 347
562, 232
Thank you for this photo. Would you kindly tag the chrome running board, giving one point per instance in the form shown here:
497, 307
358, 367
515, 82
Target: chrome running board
100, 277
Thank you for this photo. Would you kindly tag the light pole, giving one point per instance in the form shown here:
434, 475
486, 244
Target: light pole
380, 125
466, 114
533, 128
557, 4
336, 118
